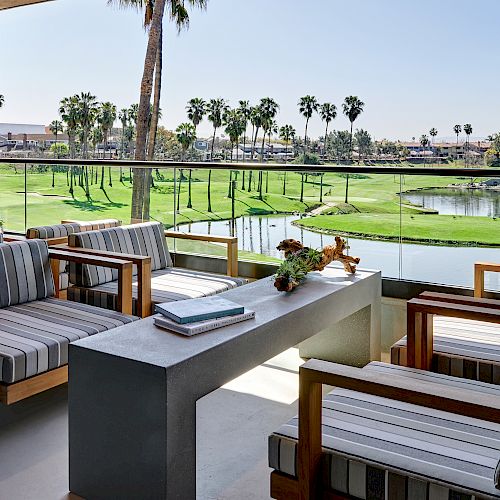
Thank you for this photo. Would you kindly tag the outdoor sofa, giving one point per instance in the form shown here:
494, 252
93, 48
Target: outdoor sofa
36, 327
156, 281
460, 335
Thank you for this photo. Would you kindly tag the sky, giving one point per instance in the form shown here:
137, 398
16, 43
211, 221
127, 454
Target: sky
415, 64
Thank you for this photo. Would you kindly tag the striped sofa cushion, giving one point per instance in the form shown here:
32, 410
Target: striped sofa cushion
147, 239
25, 273
377, 448
34, 337
462, 348
54, 231
95, 225
167, 285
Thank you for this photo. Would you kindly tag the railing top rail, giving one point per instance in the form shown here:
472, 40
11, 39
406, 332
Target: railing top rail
289, 167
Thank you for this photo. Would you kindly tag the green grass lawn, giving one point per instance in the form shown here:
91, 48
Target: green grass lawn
372, 207
444, 229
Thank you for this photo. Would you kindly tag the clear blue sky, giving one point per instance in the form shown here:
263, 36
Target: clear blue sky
416, 65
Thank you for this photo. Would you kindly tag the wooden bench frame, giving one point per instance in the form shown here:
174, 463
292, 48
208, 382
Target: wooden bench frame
315, 373
11, 393
479, 269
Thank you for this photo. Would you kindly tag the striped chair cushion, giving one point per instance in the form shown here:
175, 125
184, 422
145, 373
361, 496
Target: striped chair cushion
167, 285
377, 448
55, 231
34, 337
25, 273
146, 239
62, 230
462, 348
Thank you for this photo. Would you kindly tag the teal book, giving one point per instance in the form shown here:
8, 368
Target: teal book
192, 310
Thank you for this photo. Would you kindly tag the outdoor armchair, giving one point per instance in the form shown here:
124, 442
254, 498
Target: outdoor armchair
387, 431
459, 335
93, 285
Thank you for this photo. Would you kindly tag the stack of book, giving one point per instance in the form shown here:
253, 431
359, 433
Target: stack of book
193, 316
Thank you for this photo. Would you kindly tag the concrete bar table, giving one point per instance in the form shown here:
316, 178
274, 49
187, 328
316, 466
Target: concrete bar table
133, 390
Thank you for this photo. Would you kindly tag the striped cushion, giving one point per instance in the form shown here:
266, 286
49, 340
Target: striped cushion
62, 230
25, 273
377, 448
55, 231
146, 239
462, 348
34, 337
167, 285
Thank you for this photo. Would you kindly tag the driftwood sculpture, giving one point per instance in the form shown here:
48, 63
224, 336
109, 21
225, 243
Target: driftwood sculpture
300, 260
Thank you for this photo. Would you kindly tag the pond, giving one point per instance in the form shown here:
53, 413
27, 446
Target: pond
434, 264
473, 202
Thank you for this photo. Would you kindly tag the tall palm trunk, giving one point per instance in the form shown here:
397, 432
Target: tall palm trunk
347, 175
155, 114
190, 202
209, 188
305, 136
326, 135
144, 108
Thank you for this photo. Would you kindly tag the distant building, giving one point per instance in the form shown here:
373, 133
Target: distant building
23, 137
21, 128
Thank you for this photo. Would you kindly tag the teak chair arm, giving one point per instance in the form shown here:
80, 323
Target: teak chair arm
124, 268
460, 299
143, 263
314, 373
231, 243
420, 314
479, 269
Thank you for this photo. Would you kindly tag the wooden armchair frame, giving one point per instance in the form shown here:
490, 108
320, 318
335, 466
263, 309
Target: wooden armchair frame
479, 269
231, 243
144, 302
420, 312
315, 373
11, 393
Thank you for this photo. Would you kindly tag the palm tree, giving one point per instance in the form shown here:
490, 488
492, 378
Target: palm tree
186, 135
327, 112
287, 133
245, 111
268, 110
307, 106
234, 127
468, 132
256, 121
152, 68
56, 127
433, 132
106, 118
352, 107
196, 110
216, 109
68, 109
457, 129
424, 142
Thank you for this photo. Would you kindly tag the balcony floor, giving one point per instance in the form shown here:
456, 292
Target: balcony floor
34, 443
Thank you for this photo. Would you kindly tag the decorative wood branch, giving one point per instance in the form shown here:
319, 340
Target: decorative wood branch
300, 260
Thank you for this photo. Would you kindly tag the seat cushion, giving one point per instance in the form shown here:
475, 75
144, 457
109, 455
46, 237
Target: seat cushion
147, 239
25, 272
379, 448
462, 348
34, 337
167, 285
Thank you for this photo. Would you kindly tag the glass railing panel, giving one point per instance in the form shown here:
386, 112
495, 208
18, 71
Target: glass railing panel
12, 198
453, 225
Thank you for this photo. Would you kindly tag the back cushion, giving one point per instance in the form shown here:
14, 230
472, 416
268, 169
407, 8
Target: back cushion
25, 273
55, 231
95, 225
146, 239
